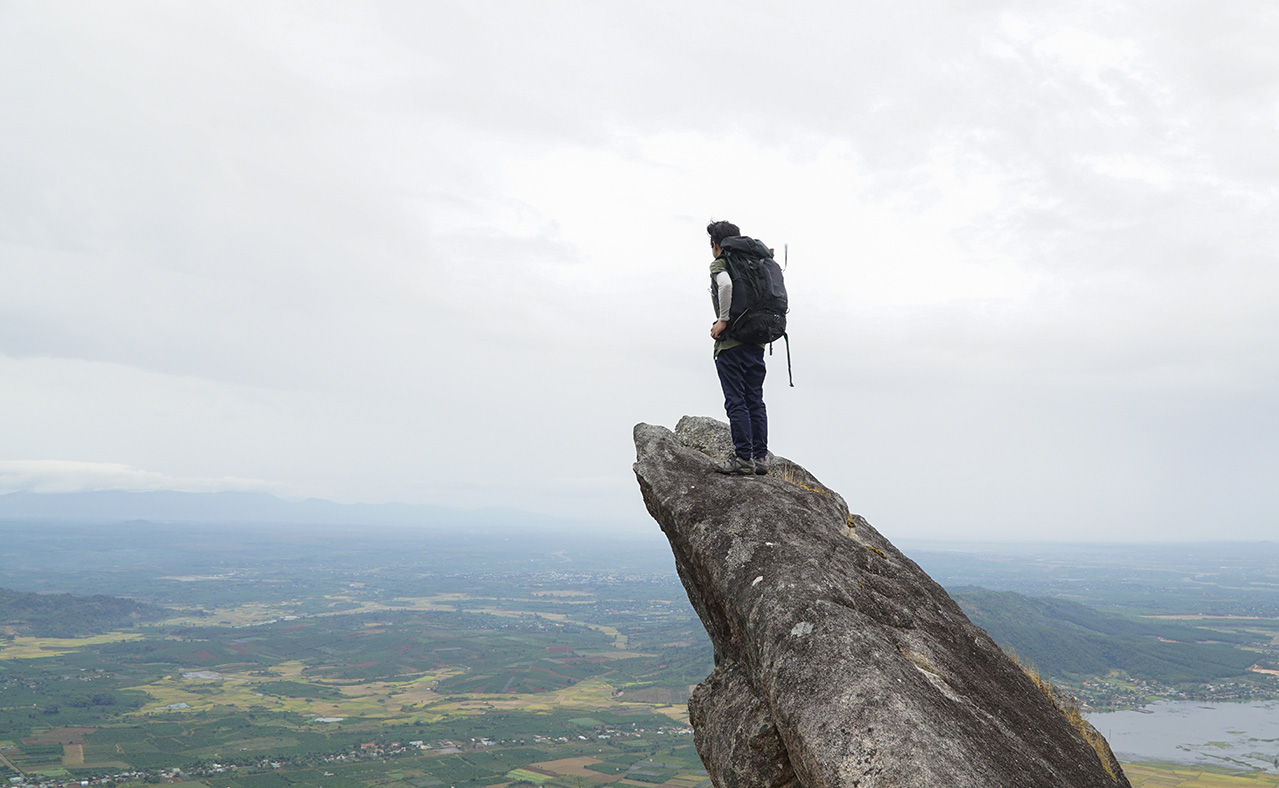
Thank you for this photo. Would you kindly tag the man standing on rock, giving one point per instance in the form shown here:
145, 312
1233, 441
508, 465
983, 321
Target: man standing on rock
740, 364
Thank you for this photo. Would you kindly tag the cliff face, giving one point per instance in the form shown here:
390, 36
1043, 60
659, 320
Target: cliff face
838, 661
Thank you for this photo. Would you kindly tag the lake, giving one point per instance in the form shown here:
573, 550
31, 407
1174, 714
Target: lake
1228, 735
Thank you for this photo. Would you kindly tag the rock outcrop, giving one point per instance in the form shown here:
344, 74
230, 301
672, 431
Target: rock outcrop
838, 661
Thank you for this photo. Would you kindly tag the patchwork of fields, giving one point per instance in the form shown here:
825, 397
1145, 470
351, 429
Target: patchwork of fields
257, 692
332, 658
402, 695
1172, 776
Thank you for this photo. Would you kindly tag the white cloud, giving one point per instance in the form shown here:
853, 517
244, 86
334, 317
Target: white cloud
449, 253
65, 476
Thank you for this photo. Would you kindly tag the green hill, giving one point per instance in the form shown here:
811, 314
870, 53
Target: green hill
1067, 639
65, 615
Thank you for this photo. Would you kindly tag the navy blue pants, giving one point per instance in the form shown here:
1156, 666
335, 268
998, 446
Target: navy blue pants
741, 375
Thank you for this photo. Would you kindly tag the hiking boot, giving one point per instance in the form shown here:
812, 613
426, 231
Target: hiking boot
761, 466
736, 466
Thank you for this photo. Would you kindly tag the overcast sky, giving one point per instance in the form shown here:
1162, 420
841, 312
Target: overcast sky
450, 252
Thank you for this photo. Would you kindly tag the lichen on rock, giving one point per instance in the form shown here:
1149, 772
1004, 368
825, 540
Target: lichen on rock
838, 661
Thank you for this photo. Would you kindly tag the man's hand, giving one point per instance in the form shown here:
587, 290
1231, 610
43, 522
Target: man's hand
719, 328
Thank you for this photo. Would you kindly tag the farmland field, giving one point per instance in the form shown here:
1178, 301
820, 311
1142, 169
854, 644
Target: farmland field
363, 673
301, 658
1172, 776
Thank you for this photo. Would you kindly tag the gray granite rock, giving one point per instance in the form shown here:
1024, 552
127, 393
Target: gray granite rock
838, 661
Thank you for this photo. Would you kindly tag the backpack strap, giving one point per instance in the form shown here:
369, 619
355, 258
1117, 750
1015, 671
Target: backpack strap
789, 375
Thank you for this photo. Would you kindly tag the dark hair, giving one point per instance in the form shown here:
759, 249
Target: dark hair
718, 231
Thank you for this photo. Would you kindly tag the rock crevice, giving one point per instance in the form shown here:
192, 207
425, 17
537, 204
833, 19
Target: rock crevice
838, 661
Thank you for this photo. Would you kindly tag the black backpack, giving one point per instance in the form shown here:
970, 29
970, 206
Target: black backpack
758, 312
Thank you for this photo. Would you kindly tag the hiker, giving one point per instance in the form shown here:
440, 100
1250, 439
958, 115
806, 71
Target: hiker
740, 364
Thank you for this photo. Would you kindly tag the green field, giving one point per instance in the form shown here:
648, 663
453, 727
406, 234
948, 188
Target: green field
489, 698
485, 687
1168, 776
329, 657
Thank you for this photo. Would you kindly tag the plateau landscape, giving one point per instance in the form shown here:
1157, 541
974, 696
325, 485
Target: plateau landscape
244, 653
346, 351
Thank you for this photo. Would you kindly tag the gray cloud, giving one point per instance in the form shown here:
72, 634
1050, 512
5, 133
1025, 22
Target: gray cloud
449, 252
60, 476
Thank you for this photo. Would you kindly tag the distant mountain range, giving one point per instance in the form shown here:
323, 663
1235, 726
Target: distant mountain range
251, 507
1067, 639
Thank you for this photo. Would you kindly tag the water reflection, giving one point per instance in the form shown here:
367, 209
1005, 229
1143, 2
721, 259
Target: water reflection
1230, 735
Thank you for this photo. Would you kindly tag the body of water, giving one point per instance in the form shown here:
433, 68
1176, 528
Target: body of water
1228, 735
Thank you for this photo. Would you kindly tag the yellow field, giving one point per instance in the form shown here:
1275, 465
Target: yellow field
255, 613
241, 616
250, 614
406, 700
574, 767
403, 701
1167, 776
619, 640
237, 690
28, 648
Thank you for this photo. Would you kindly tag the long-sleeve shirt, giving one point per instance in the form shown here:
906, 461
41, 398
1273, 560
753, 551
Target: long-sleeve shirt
724, 289
722, 300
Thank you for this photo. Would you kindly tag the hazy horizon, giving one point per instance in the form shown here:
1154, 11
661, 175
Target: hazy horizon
235, 508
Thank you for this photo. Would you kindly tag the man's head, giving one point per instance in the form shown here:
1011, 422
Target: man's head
718, 231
